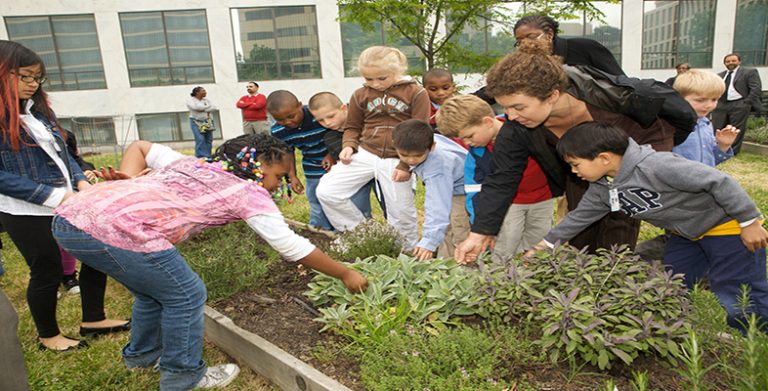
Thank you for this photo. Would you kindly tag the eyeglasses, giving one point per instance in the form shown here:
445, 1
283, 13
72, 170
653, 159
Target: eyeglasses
30, 78
529, 36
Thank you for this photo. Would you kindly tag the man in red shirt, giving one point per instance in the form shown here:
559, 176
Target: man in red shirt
254, 110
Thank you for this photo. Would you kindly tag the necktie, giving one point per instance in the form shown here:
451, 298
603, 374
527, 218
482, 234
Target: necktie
728, 81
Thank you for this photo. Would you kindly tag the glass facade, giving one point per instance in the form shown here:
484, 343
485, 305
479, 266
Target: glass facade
68, 45
355, 39
678, 31
607, 32
167, 48
166, 127
273, 43
750, 39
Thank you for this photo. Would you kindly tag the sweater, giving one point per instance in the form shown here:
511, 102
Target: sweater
253, 107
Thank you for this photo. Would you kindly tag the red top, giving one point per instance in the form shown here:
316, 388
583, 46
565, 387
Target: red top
254, 107
533, 186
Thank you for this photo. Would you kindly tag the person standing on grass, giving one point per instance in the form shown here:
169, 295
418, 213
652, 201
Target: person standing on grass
200, 121
129, 229
36, 175
387, 98
254, 107
742, 95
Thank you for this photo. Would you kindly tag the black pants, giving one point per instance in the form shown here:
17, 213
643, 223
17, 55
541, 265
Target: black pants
32, 236
732, 113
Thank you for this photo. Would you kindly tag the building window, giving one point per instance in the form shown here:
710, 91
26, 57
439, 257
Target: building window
91, 131
275, 43
750, 39
168, 127
68, 45
167, 48
489, 37
607, 32
354, 40
687, 25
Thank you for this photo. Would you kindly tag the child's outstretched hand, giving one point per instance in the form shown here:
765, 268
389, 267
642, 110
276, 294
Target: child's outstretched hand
296, 185
754, 236
346, 155
725, 137
328, 162
422, 254
354, 281
110, 174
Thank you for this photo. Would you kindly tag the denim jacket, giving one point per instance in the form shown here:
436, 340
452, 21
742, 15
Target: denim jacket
29, 173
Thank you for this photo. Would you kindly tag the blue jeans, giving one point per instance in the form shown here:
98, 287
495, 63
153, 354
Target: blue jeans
729, 265
203, 141
167, 320
316, 215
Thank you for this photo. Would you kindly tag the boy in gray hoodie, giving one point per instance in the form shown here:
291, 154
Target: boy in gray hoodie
716, 228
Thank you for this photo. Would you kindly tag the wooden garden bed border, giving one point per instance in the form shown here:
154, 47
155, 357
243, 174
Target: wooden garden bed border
281, 368
754, 148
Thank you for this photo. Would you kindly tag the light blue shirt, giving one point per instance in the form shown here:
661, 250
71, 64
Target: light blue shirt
701, 145
443, 176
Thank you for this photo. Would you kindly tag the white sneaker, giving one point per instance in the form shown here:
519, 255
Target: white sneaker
219, 376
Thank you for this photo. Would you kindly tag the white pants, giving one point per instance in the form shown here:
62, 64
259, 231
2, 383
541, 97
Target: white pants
338, 186
524, 226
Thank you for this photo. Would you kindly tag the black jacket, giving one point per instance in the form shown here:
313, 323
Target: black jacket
576, 51
635, 101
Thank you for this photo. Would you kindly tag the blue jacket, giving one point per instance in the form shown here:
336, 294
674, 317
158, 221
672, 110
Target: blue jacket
701, 145
30, 174
443, 176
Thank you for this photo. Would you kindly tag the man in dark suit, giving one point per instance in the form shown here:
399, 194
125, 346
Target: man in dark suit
742, 94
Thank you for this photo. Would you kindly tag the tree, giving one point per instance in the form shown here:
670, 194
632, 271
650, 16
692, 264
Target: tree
421, 22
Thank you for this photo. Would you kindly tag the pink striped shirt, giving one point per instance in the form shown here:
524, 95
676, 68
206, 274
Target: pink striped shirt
153, 212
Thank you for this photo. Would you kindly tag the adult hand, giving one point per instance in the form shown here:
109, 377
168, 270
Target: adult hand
328, 162
346, 155
354, 281
754, 236
538, 247
296, 185
399, 175
422, 254
470, 248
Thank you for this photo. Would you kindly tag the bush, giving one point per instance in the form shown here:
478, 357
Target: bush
369, 238
400, 291
460, 359
758, 135
597, 307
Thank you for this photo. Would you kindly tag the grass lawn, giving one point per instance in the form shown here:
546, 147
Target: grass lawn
228, 260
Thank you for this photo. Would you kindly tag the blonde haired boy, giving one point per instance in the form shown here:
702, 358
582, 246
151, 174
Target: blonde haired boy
529, 216
702, 90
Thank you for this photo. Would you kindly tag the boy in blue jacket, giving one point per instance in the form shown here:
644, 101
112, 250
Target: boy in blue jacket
439, 162
716, 228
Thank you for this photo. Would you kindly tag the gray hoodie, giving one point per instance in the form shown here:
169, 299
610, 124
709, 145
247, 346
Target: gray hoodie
665, 190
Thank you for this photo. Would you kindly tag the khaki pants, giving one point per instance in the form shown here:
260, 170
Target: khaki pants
256, 127
523, 227
458, 230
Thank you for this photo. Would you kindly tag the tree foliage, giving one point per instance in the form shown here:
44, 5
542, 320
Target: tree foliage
434, 26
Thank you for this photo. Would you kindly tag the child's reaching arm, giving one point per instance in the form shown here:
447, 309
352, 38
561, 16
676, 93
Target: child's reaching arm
438, 198
139, 158
274, 230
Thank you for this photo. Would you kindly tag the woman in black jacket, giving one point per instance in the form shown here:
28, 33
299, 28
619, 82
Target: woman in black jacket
543, 100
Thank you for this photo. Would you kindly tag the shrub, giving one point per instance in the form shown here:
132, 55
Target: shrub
400, 291
757, 135
369, 238
597, 307
457, 359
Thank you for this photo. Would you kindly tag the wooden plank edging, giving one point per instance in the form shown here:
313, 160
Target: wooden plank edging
284, 370
754, 148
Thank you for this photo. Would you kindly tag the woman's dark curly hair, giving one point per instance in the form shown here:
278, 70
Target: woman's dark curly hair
266, 149
531, 70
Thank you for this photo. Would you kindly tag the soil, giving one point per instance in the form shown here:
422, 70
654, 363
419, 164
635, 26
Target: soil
278, 312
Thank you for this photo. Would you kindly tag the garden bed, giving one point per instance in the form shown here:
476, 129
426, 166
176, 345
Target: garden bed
279, 312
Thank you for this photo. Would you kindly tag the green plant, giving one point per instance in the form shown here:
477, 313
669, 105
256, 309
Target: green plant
457, 359
598, 307
639, 381
369, 238
758, 131
692, 358
400, 291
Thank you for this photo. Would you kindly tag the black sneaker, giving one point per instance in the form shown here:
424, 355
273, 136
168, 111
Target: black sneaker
71, 284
